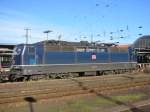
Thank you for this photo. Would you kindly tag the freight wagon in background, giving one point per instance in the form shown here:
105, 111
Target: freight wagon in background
59, 59
6, 52
142, 49
141, 52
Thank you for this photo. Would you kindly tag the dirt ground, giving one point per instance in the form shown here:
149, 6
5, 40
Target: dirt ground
89, 102
83, 103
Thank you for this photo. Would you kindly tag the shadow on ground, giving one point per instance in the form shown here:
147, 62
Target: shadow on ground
132, 107
30, 101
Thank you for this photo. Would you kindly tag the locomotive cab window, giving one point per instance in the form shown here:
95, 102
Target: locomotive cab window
31, 50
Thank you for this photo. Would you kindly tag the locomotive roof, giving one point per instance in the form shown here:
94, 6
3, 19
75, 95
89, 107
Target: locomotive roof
52, 43
81, 43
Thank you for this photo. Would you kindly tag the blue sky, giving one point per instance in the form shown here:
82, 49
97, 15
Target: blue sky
74, 20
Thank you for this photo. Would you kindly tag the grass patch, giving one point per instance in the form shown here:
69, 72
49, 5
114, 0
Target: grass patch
95, 104
85, 104
129, 97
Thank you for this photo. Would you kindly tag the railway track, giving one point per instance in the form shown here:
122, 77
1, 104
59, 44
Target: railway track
52, 82
11, 93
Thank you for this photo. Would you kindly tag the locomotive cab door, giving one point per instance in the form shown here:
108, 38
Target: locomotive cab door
31, 55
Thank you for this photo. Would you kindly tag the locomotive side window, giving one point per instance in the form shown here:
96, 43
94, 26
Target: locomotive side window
31, 50
102, 50
80, 50
91, 50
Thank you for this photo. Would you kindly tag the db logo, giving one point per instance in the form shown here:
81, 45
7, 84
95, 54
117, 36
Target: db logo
93, 56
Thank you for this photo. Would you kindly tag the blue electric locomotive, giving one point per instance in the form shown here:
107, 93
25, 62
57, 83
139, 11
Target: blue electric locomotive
58, 58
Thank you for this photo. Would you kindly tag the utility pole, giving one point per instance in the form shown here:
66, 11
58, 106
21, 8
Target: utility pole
27, 34
47, 32
91, 38
44, 54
